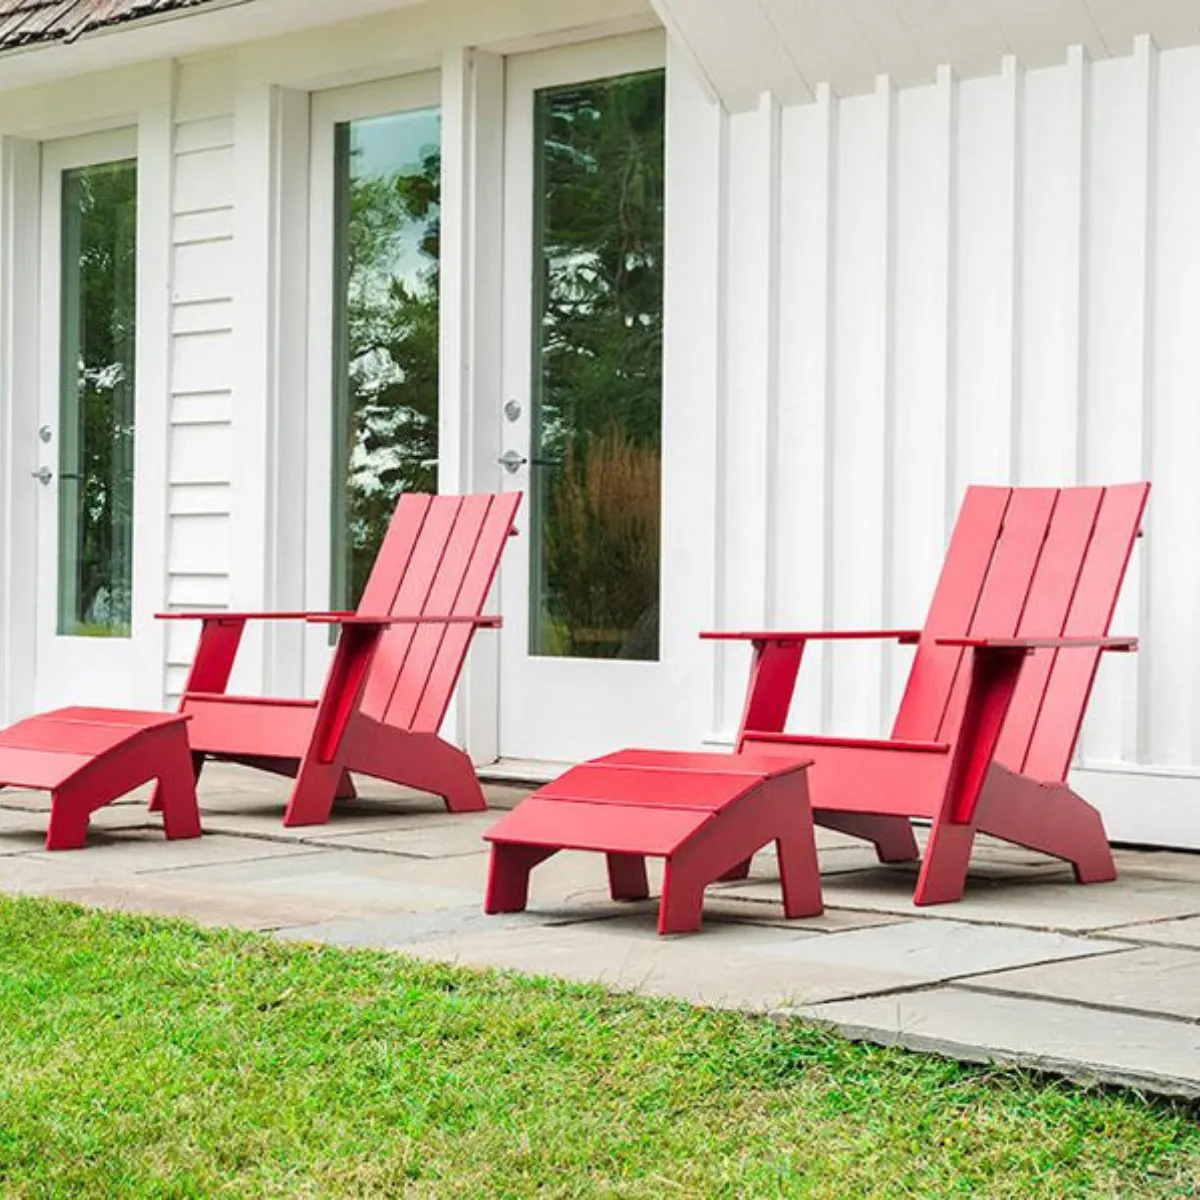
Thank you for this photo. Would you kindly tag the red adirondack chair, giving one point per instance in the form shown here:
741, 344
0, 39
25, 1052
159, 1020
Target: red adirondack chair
393, 672
994, 703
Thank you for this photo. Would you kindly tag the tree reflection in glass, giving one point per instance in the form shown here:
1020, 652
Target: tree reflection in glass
385, 419
96, 426
597, 369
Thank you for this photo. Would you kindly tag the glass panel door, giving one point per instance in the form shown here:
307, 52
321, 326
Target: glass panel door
373, 337
97, 382
387, 179
597, 368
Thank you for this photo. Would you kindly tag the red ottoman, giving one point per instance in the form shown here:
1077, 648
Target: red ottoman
706, 814
89, 757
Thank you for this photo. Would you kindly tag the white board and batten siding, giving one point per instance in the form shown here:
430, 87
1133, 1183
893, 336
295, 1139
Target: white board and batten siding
201, 454
985, 280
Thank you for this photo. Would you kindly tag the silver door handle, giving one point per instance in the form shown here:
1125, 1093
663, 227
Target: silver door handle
512, 461
43, 475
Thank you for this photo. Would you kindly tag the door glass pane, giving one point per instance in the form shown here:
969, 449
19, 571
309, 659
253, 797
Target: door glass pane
99, 323
597, 369
385, 418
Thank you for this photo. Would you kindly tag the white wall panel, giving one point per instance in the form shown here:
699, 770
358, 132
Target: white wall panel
203, 349
987, 280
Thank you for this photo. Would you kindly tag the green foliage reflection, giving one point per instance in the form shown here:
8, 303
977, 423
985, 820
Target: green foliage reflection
386, 334
99, 337
598, 368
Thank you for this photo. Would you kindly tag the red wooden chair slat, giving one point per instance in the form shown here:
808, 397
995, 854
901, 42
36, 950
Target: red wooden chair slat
934, 668
411, 597
1006, 587
1046, 609
456, 639
1052, 742
443, 598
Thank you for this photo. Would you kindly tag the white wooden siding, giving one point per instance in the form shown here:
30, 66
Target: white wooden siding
202, 352
988, 280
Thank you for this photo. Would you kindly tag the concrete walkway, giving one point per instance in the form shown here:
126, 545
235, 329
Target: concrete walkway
1097, 982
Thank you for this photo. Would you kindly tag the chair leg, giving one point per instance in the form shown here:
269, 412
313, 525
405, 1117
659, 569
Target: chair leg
1049, 818
627, 877
943, 875
508, 876
313, 794
346, 789
892, 836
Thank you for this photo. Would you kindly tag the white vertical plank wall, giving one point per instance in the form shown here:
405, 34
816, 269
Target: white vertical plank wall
992, 280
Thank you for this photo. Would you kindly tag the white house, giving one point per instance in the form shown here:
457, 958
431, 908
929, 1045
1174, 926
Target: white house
788, 273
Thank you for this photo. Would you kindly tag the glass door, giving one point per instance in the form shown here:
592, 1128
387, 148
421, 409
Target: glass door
87, 426
582, 667
373, 416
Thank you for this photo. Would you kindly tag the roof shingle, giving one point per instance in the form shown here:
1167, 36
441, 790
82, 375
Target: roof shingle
27, 22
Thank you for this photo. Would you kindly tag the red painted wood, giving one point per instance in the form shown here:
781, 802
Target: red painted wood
1045, 612
215, 655
754, 765
87, 758
253, 728
702, 791
951, 612
409, 594
628, 812
1049, 818
477, 583
840, 635
1052, 743
760, 738
772, 685
443, 597
1023, 645
866, 778
586, 825
1006, 589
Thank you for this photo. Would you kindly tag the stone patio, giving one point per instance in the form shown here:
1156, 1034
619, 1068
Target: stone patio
1097, 983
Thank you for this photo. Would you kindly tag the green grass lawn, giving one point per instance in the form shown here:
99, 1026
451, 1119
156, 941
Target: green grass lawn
151, 1058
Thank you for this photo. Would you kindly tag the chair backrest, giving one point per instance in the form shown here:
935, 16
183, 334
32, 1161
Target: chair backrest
439, 556
1025, 562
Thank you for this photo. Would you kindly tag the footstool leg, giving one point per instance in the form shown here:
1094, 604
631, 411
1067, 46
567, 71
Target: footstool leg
627, 877
796, 847
176, 792
682, 899
508, 876
68, 820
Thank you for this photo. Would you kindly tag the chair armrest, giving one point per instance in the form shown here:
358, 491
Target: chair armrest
355, 619
907, 636
228, 615
1119, 645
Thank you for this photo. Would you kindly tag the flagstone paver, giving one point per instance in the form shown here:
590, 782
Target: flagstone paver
1185, 932
1090, 1044
1094, 982
1154, 979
